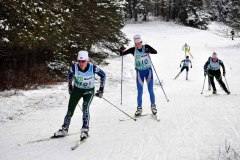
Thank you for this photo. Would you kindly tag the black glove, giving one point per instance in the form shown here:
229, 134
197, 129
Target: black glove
191, 66
99, 94
205, 72
224, 74
70, 88
180, 66
122, 49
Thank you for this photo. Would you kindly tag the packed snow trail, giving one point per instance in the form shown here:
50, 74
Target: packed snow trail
192, 125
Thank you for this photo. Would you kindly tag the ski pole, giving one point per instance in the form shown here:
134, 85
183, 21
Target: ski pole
121, 78
158, 79
203, 84
191, 55
226, 82
119, 109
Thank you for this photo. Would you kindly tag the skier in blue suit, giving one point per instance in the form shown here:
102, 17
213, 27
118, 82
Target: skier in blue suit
143, 68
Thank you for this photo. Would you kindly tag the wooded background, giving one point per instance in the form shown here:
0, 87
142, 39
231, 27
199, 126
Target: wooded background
39, 39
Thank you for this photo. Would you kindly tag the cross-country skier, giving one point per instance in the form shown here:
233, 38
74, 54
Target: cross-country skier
232, 33
186, 62
186, 49
143, 68
212, 69
83, 75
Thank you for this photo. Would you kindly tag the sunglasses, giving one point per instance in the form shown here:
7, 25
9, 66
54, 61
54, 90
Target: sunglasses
82, 61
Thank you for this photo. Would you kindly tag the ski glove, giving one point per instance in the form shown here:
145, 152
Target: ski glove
205, 72
122, 49
224, 74
70, 88
99, 94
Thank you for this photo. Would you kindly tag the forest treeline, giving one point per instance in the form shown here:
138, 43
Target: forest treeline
39, 39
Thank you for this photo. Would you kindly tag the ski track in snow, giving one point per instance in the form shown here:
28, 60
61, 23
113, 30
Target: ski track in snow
192, 126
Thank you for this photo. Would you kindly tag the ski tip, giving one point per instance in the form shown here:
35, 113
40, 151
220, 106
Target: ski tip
135, 119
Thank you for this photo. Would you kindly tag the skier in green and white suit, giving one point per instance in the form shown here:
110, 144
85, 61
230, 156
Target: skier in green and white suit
83, 74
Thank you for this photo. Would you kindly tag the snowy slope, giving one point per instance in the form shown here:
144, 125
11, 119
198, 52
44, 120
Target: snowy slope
192, 126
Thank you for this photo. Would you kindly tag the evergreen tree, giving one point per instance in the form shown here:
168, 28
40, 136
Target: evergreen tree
38, 34
234, 14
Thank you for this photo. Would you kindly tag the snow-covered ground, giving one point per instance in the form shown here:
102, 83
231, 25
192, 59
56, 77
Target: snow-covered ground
193, 126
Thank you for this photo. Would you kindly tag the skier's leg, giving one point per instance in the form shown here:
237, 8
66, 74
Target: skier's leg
185, 52
140, 82
87, 99
73, 101
221, 83
179, 72
149, 80
177, 75
211, 77
187, 69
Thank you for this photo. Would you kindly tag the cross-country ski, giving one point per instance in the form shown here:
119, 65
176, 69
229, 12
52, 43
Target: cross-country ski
78, 144
135, 117
46, 139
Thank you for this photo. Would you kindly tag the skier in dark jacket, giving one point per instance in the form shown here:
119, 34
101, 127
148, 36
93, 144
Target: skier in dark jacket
186, 62
143, 68
232, 33
83, 74
212, 69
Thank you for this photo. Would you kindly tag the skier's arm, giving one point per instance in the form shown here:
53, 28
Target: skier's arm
102, 76
181, 63
71, 72
191, 63
128, 51
223, 67
150, 49
205, 66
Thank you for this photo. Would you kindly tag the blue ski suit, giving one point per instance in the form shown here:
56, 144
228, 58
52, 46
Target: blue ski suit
143, 68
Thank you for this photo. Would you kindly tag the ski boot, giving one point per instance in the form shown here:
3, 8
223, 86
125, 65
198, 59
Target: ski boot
138, 112
154, 109
227, 91
209, 87
214, 92
84, 133
61, 133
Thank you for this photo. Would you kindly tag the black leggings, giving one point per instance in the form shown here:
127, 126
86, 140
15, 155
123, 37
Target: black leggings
184, 67
218, 76
77, 94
